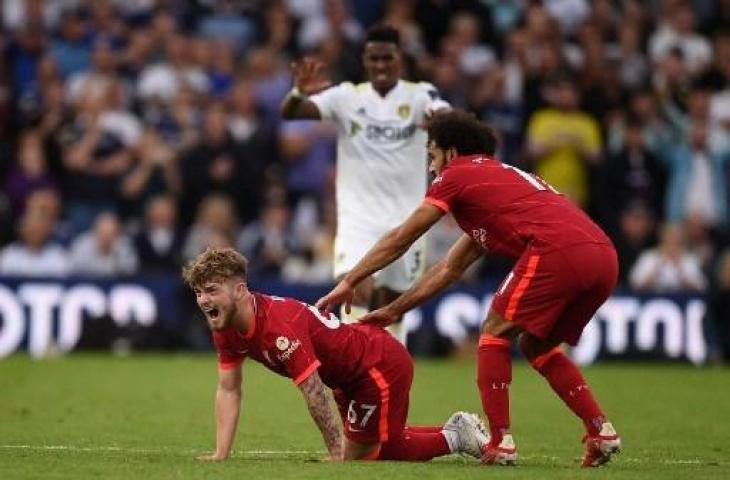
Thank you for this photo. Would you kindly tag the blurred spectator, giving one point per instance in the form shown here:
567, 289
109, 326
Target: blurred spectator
23, 53
215, 224
104, 251
719, 307
155, 172
30, 172
270, 77
219, 164
669, 267
161, 82
464, 36
72, 48
634, 233
97, 79
308, 148
226, 22
17, 14
48, 202
34, 254
336, 21
159, 242
569, 14
268, 242
631, 175
564, 142
697, 185
633, 66
678, 32
100, 151
503, 112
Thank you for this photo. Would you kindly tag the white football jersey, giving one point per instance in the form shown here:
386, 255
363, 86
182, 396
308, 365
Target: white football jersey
382, 163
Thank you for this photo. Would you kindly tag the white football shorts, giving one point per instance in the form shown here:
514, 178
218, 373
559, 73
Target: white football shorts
351, 246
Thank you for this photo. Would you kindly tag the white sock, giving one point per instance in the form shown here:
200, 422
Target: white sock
452, 440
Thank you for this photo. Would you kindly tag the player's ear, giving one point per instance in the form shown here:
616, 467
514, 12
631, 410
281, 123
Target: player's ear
451, 153
240, 290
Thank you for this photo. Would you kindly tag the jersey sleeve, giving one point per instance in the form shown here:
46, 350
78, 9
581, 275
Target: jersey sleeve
295, 352
434, 102
228, 357
328, 101
443, 191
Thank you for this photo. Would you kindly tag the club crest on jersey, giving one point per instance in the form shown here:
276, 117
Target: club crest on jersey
282, 343
404, 111
354, 128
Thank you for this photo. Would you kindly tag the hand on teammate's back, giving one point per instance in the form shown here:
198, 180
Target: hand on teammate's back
381, 317
308, 77
343, 294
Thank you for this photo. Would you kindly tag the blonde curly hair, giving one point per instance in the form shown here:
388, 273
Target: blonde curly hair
215, 264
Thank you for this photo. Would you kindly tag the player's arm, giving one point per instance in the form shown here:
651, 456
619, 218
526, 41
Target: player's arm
462, 254
307, 81
227, 408
389, 248
322, 409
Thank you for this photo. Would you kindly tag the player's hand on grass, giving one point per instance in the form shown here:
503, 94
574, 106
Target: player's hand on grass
343, 294
381, 317
308, 77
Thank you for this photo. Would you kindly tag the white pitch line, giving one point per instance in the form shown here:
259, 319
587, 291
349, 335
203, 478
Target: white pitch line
72, 448
285, 453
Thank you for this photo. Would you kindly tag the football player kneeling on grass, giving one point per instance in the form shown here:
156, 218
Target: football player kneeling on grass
368, 371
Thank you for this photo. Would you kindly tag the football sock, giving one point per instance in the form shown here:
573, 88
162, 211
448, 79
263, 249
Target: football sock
567, 381
413, 446
356, 311
494, 375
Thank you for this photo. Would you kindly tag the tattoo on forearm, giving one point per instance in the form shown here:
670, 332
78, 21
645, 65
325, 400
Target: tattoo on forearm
320, 407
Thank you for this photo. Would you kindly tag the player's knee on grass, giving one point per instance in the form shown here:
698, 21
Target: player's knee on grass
361, 451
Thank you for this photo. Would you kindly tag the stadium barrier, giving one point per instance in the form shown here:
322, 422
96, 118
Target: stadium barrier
47, 316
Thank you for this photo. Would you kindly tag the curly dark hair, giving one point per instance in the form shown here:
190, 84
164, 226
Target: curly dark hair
462, 131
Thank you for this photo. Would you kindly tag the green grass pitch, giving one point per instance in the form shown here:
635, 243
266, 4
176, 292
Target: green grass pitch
146, 417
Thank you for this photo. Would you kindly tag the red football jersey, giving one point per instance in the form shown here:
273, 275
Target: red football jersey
294, 339
505, 210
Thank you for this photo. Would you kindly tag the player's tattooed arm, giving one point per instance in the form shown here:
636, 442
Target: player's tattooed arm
321, 407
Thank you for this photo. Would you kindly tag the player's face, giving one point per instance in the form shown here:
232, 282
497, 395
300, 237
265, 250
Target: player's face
217, 300
382, 63
437, 158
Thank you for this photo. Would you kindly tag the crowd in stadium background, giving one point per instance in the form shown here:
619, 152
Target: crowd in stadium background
133, 134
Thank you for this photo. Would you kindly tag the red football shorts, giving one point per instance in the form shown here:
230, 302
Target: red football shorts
555, 294
375, 408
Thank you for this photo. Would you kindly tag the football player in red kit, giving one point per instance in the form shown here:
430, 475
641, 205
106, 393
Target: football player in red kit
369, 371
565, 269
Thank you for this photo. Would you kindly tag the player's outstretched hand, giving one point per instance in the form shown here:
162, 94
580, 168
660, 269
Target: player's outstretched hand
381, 317
343, 294
308, 76
211, 457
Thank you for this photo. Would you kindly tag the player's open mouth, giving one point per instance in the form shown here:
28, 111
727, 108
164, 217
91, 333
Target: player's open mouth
212, 313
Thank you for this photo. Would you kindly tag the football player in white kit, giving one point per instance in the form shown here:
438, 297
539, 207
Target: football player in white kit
381, 157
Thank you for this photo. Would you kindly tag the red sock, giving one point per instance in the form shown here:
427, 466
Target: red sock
415, 446
494, 375
424, 429
567, 381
